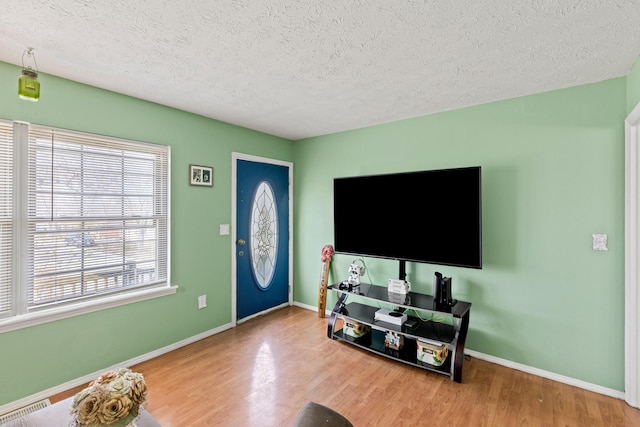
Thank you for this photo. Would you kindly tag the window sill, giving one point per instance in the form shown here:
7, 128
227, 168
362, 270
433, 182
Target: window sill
38, 318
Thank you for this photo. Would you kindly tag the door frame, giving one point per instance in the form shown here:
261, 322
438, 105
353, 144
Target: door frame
632, 251
234, 286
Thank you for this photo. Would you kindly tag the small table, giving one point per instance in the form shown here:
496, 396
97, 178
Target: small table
57, 415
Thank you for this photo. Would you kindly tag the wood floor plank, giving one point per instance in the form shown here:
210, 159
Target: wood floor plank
262, 373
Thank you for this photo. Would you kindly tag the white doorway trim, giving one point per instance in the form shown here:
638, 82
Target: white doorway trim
234, 160
632, 240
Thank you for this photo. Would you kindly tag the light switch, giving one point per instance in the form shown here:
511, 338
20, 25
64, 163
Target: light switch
224, 229
600, 242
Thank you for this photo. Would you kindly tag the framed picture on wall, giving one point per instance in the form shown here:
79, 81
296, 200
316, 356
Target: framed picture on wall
201, 175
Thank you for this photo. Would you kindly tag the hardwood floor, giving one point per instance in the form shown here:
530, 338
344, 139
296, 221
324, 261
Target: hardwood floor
262, 372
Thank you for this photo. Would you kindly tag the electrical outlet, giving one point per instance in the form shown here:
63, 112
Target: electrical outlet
202, 302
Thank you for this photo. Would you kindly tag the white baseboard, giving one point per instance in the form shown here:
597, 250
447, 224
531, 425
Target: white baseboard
327, 312
306, 306
45, 394
546, 374
524, 368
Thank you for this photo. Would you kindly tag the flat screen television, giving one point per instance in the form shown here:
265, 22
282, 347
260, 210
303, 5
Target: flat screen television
431, 216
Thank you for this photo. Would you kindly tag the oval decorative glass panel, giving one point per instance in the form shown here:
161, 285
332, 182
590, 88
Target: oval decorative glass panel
264, 234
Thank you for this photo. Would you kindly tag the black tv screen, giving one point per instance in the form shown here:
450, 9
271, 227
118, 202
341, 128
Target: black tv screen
432, 216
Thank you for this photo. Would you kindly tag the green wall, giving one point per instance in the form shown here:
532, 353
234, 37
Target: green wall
553, 175
633, 87
41, 357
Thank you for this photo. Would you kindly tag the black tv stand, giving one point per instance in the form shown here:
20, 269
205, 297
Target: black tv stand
450, 327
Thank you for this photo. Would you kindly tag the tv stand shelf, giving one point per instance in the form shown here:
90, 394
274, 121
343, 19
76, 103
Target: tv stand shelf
453, 335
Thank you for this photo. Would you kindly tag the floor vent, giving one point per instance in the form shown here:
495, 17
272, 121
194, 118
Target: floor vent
24, 411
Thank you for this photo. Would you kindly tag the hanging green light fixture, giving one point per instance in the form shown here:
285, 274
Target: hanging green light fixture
28, 84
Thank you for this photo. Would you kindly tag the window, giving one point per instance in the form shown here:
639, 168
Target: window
6, 217
264, 234
92, 218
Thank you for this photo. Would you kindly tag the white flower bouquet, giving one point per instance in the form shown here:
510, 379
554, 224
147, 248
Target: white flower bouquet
113, 400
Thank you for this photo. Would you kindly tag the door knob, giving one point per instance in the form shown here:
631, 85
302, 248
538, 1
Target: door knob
241, 242
241, 253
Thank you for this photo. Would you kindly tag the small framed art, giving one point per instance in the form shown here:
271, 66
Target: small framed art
201, 175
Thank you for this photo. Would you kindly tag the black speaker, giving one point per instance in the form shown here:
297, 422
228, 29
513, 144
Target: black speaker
447, 299
437, 288
442, 291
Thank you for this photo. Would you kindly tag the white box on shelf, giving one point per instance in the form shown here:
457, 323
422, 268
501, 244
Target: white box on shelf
389, 316
399, 286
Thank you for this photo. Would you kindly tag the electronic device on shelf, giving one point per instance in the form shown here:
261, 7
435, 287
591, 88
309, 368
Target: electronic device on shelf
356, 270
397, 286
442, 291
390, 316
411, 323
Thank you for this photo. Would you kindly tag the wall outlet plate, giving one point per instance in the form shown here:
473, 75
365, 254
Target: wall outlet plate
202, 302
600, 242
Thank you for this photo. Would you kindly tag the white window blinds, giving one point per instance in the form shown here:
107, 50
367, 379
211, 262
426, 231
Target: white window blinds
6, 218
97, 216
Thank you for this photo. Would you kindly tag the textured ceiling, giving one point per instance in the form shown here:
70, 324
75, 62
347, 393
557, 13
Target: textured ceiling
304, 68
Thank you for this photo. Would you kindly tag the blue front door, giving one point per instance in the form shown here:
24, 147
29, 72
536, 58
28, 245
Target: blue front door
262, 237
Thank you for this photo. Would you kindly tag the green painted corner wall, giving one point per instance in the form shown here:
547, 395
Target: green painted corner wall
633, 87
553, 175
40, 357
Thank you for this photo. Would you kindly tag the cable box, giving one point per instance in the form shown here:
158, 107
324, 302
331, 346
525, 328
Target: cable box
389, 316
